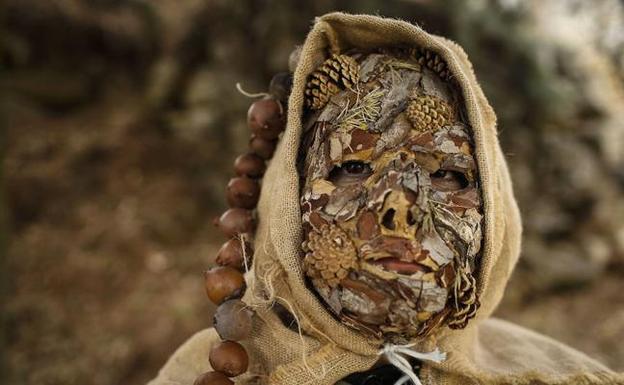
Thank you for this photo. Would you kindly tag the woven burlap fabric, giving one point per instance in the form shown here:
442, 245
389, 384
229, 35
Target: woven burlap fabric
323, 350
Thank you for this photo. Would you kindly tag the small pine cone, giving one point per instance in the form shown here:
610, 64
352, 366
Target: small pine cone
427, 112
466, 300
430, 60
336, 73
332, 254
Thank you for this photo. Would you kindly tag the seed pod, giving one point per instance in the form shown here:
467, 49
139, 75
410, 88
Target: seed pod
234, 252
229, 358
264, 118
243, 192
336, 73
250, 165
213, 378
222, 283
232, 320
280, 86
262, 147
426, 112
432, 61
332, 254
236, 221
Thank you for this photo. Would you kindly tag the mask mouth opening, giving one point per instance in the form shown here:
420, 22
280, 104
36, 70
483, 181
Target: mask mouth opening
401, 267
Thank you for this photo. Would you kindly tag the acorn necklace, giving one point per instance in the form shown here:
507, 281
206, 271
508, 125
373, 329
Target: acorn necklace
225, 283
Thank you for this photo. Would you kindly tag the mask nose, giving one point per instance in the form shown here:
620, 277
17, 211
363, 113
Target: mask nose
396, 217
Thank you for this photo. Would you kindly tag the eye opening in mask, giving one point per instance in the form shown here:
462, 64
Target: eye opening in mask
448, 180
352, 171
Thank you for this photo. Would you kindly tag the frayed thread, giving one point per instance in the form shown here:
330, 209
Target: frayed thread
396, 356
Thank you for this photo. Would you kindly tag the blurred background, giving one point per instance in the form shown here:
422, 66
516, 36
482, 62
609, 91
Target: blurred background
122, 121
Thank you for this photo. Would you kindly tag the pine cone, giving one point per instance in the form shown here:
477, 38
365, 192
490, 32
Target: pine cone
427, 112
336, 73
466, 300
430, 60
331, 256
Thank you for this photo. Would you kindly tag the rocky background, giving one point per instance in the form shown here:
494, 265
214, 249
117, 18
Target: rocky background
122, 121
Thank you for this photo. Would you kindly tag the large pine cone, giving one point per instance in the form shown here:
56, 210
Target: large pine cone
427, 112
336, 73
466, 301
331, 255
430, 60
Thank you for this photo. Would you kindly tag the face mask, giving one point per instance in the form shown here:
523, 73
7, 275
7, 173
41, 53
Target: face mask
390, 201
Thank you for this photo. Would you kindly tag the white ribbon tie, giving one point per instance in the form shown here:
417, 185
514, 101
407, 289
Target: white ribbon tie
396, 356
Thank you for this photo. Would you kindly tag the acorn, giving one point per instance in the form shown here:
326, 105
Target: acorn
222, 283
250, 165
234, 252
229, 357
236, 221
262, 147
243, 192
213, 378
280, 86
264, 118
232, 320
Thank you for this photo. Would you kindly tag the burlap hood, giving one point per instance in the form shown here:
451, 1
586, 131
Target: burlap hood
322, 350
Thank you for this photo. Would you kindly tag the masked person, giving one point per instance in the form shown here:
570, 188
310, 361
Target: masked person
387, 228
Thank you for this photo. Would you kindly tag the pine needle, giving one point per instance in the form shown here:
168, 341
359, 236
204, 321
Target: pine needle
364, 110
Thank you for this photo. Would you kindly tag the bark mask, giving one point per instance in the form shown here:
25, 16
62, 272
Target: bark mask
390, 201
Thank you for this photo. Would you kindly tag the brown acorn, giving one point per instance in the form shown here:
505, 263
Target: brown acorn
222, 283
229, 357
243, 192
262, 147
234, 252
233, 321
213, 378
236, 221
264, 118
250, 165
280, 86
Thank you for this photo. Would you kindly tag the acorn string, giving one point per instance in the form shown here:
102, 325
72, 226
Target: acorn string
225, 283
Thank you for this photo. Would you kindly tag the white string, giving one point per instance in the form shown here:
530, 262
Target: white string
396, 356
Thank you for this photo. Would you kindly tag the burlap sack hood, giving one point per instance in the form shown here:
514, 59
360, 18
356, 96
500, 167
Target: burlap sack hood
322, 350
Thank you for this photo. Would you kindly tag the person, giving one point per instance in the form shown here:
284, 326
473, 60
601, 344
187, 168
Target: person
387, 228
